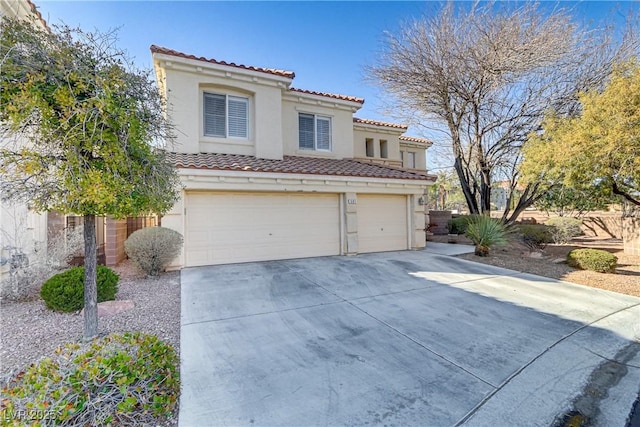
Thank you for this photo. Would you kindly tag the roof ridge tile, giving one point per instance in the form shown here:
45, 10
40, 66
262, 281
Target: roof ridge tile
166, 51
329, 95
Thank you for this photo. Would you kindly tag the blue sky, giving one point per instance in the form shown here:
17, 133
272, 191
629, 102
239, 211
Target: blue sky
326, 44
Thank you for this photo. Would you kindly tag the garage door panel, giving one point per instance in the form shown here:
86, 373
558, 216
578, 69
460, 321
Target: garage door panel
382, 223
240, 227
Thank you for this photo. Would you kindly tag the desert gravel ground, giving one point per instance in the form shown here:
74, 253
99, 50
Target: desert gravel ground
30, 331
549, 262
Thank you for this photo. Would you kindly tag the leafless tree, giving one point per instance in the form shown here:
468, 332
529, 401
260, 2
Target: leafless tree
484, 75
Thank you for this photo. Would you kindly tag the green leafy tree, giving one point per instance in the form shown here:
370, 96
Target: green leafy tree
446, 193
568, 201
80, 127
600, 147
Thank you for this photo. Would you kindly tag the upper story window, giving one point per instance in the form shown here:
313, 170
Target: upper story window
369, 147
411, 160
384, 149
314, 132
226, 116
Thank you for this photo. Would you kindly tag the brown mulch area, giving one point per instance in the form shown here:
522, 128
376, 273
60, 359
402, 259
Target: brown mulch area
550, 262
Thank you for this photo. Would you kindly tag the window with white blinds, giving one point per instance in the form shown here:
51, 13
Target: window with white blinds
314, 132
226, 116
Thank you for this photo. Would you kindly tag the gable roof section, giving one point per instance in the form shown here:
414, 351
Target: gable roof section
292, 165
171, 52
379, 123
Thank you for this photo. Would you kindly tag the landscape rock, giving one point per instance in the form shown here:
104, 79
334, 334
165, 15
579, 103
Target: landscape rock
111, 308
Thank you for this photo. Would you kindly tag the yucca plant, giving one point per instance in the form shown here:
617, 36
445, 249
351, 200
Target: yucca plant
486, 232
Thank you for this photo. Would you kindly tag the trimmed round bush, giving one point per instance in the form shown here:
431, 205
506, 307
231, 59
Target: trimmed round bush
120, 379
535, 235
593, 259
151, 249
564, 229
65, 291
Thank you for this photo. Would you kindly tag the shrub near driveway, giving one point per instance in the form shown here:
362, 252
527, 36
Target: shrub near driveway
459, 225
128, 379
592, 259
535, 235
151, 249
65, 291
564, 229
486, 232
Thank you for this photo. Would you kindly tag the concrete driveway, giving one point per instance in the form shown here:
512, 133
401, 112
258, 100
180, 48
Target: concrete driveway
401, 338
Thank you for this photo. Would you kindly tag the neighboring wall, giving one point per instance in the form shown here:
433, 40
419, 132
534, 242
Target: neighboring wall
21, 229
114, 242
631, 233
600, 223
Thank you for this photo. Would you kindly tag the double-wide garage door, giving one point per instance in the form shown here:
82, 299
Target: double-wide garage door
223, 228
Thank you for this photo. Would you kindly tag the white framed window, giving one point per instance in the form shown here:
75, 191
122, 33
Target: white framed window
314, 132
225, 116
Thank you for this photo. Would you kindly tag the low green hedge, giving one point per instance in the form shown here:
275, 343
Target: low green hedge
593, 259
65, 291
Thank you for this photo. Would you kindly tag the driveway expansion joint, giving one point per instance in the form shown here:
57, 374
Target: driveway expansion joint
545, 351
262, 313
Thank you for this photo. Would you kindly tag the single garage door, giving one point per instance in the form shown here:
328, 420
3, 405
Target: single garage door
382, 223
224, 228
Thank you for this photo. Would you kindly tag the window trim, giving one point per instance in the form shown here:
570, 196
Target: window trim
322, 117
227, 97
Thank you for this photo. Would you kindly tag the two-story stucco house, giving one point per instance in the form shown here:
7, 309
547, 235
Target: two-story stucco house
274, 172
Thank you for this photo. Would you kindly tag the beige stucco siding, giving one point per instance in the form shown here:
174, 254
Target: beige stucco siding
341, 128
420, 156
185, 81
360, 137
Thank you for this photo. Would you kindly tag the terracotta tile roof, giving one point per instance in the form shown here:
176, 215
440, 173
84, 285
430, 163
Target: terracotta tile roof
378, 123
171, 52
414, 139
329, 95
38, 15
293, 165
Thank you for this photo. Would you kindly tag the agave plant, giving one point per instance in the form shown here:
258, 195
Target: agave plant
486, 232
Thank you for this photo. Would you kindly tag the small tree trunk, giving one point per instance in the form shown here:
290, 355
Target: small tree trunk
90, 286
472, 203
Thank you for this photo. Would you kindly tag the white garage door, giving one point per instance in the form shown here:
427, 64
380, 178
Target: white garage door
223, 228
382, 223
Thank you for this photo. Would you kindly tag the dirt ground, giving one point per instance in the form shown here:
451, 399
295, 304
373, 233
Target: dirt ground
550, 262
